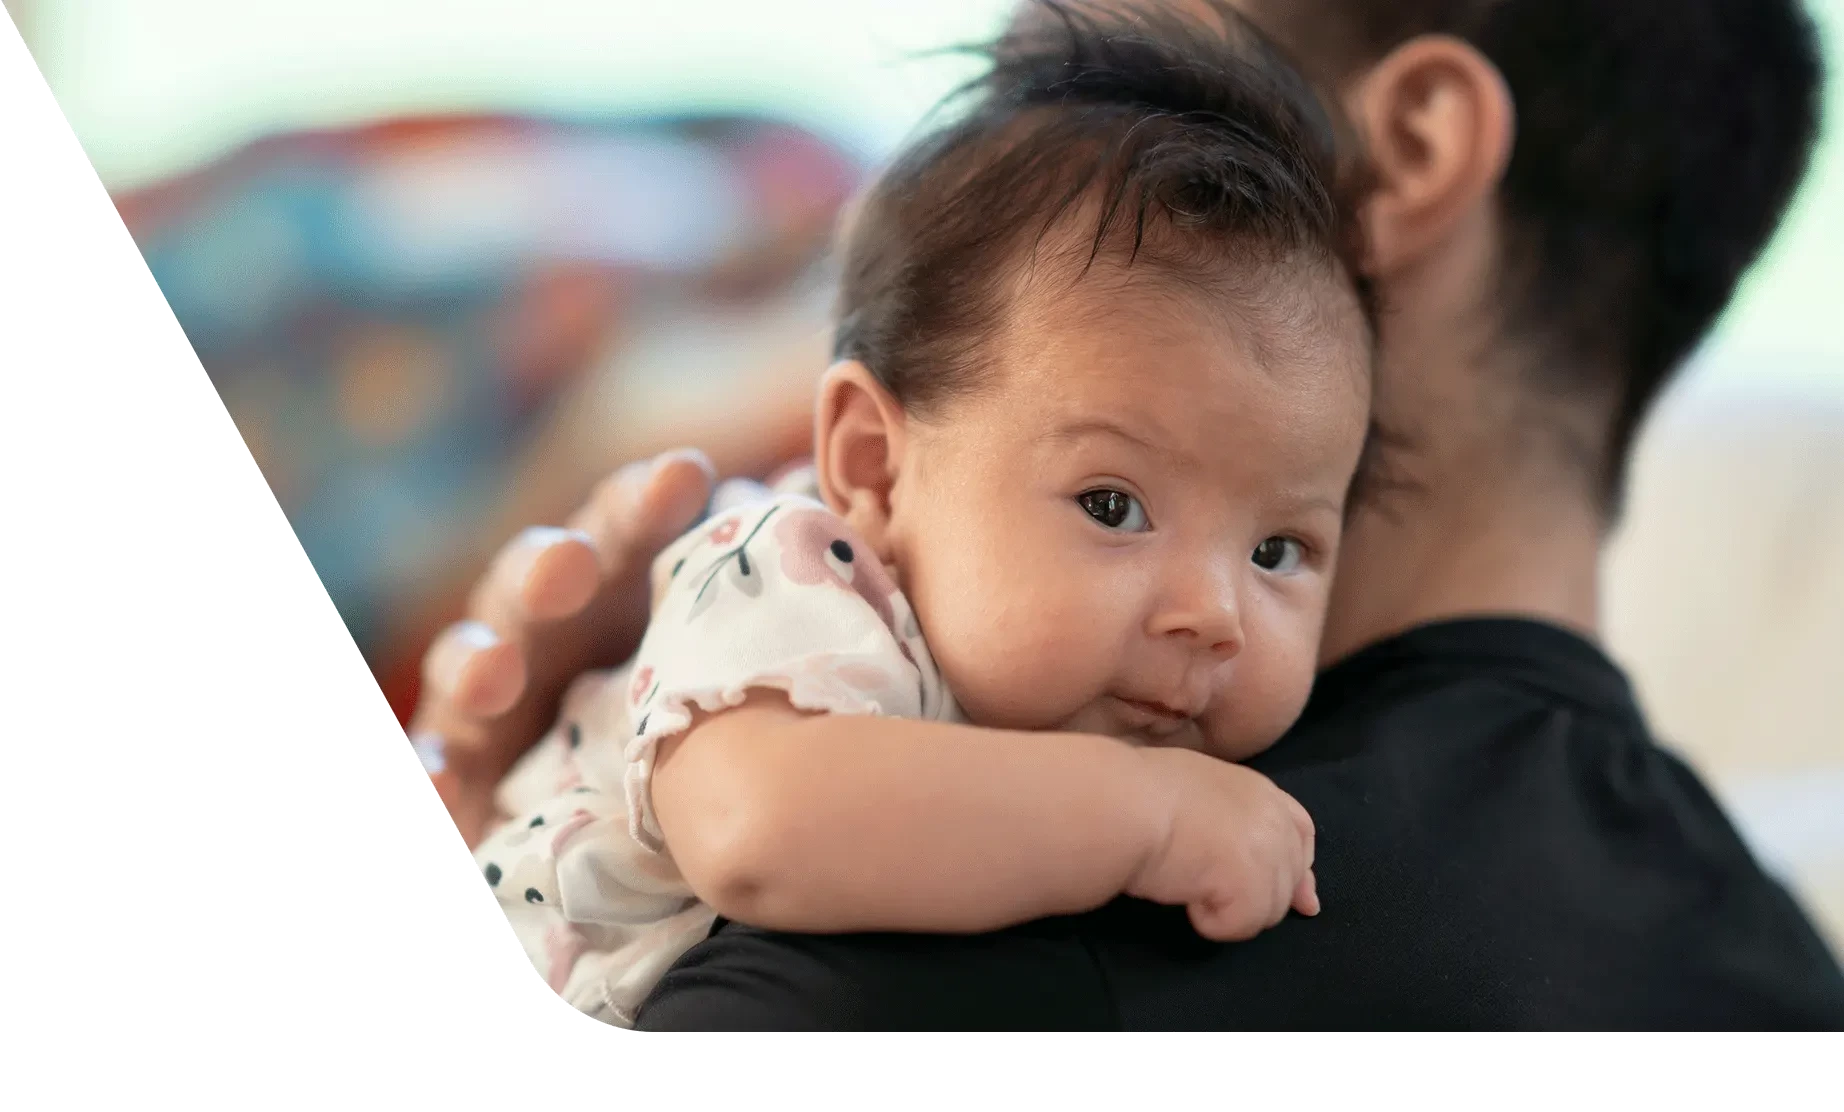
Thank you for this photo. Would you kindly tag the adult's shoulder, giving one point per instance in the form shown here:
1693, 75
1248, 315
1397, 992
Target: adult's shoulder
1508, 768
1728, 936
1490, 796
1040, 977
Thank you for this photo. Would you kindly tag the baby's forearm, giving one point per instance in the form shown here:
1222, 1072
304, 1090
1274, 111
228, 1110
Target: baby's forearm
844, 823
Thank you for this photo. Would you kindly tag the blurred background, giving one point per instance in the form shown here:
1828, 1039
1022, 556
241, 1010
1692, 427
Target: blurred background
450, 261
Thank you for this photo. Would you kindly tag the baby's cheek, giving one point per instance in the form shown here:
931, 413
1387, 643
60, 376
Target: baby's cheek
1020, 658
1265, 695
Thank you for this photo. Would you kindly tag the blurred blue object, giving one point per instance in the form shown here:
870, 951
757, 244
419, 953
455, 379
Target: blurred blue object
390, 311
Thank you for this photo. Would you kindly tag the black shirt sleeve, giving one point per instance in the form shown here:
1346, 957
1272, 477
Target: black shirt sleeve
1038, 978
1755, 961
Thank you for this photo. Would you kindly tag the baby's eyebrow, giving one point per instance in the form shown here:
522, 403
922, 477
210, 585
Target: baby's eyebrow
1316, 503
1102, 426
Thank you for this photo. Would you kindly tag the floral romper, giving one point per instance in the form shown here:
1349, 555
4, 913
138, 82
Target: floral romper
775, 594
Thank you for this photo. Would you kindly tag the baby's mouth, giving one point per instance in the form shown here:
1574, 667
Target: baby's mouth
1154, 718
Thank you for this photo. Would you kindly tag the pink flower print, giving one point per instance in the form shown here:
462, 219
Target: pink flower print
734, 565
643, 683
726, 532
819, 548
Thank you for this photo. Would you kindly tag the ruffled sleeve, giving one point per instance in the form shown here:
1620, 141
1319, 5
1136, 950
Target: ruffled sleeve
779, 595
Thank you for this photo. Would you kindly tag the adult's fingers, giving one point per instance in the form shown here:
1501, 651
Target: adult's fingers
521, 612
473, 670
542, 575
554, 605
642, 508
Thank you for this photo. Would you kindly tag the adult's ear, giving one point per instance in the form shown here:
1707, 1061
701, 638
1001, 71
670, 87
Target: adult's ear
1438, 124
860, 435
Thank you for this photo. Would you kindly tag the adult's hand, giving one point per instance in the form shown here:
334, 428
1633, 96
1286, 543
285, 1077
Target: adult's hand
555, 603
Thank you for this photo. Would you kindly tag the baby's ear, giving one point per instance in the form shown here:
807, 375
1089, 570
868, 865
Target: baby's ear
860, 434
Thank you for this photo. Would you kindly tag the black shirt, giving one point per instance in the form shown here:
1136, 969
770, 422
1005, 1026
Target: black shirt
1501, 844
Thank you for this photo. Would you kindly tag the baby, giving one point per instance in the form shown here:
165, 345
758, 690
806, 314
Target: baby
1063, 556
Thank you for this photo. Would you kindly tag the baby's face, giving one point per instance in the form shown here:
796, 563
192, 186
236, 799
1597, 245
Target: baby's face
1131, 530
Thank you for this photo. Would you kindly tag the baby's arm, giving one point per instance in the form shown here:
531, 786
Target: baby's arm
839, 823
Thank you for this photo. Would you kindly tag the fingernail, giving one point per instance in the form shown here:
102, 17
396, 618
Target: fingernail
429, 748
453, 651
540, 539
476, 636
691, 455
559, 578
543, 536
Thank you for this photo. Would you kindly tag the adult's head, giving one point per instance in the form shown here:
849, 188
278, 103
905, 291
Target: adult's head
1648, 150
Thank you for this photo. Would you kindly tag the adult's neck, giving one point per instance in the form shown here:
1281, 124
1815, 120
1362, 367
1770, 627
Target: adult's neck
1485, 510
1418, 558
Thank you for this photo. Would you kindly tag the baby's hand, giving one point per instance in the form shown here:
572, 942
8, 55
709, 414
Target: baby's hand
1237, 853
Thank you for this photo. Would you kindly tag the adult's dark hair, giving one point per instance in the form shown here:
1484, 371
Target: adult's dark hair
1658, 145
1198, 151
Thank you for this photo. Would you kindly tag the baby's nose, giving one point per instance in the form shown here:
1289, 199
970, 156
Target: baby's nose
1214, 628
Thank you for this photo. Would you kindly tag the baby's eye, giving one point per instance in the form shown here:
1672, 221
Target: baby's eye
1113, 510
1279, 554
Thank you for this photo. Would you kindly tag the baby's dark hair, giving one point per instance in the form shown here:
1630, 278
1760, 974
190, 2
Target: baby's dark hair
1200, 151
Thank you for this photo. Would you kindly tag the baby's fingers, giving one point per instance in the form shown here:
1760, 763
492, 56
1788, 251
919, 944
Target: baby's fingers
1306, 896
1231, 921
1302, 821
1286, 887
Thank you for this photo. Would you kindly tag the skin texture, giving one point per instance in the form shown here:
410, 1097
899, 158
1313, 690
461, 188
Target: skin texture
1484, 517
